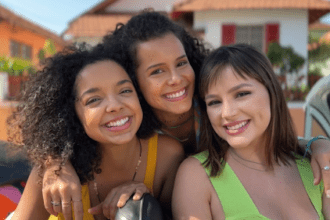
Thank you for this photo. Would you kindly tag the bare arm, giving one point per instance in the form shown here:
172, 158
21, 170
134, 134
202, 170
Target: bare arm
320, 159
31, 202
64, 188
191, 193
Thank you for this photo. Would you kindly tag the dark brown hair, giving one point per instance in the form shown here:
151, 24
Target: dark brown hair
246, 61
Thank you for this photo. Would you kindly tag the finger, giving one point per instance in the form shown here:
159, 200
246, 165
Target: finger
317, 173
56, 199
113, 211
326, 179
66, 209
78, 208
107, 202
139, 193
96, 210
123, 198
47, 202
106, 210
111, 203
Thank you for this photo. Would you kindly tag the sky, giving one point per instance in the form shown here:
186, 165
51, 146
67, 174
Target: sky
55, 15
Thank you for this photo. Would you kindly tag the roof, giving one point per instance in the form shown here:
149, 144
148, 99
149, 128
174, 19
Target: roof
95, 25
203, 5
100, 7
14, 19
319, 26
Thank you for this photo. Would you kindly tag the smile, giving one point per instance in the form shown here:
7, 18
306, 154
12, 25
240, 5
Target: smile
176, 96
119, 125
237, 128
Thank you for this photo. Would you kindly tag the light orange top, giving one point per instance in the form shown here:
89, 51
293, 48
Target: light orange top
148, 180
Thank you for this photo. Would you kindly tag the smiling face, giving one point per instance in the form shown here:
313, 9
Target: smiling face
165, 76
107, 104
238, 109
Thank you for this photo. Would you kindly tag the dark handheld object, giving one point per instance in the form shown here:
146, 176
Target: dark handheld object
147, 208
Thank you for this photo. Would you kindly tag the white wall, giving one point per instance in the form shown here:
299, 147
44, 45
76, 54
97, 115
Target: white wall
293, 25
138, 5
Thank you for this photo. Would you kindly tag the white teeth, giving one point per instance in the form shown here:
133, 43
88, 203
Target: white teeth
236, 126
176, 95
117, 123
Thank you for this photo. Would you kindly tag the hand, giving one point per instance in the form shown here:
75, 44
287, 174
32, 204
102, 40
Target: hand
321, 158
62, 188
118, 197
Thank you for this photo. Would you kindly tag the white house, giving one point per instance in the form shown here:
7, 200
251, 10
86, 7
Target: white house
218, 22
256, 22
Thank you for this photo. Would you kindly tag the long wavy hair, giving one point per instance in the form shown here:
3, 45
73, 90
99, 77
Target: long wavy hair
246, 61
148, 26
46, 124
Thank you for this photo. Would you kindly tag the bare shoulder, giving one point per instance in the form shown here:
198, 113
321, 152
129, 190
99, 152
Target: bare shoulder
192, 191
192, 169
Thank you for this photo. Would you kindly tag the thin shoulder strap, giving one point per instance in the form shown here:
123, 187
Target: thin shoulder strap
151, 162
234, 198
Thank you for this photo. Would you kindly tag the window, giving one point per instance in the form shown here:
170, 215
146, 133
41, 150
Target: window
252, 35
20, 50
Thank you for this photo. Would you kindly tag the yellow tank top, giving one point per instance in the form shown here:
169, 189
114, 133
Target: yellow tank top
148, 180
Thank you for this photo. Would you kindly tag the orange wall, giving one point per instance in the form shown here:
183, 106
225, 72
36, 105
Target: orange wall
5, 111
9, 32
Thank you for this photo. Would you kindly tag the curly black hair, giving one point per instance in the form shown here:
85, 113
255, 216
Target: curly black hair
147, 26
47, 123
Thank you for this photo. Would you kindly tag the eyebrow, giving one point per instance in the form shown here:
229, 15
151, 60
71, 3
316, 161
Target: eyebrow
231, 90
92, 90
160, 64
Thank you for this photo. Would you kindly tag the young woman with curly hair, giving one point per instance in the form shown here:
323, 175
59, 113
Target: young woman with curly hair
252, 167
83, 108
164, 64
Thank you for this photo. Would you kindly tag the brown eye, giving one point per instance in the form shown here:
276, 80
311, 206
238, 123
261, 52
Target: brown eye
126, 91
92, 100
157, 71
241, 94
213, 102
182, 63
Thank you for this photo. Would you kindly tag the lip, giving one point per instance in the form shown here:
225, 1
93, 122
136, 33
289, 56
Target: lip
239, 130
119, 128
178, 98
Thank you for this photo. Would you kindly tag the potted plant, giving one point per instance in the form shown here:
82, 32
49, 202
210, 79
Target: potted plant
15, 75
275, 55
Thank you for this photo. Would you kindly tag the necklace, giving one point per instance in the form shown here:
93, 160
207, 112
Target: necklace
176, 138
136, 169
236, 155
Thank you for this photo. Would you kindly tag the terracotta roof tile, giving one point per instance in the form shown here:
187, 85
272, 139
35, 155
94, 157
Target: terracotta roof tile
95, 25
202, 5
14, 19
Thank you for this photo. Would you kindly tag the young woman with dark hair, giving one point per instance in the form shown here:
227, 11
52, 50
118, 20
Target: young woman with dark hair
82, 108
164, 63
251, 166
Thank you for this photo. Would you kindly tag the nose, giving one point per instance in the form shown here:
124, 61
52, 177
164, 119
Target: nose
228, 109
114, 104
175, 78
